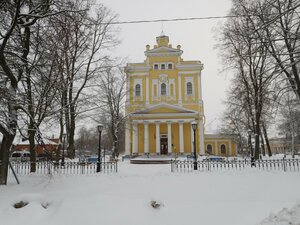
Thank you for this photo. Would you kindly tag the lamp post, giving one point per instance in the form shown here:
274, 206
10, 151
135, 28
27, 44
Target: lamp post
194, 127
63, 153
100, 128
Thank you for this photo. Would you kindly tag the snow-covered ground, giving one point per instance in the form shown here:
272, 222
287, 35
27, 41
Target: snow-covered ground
233, 197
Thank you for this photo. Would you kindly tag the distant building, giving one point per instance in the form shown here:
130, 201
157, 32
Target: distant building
283, 146
51, 146
164, 96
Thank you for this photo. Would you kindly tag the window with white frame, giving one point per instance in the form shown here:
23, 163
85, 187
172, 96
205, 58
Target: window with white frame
189, 88
155, 67
137, 90
170, 66
163, 66
163, 89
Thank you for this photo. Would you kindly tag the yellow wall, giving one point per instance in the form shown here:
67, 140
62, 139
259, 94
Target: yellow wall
218, 142
151, 138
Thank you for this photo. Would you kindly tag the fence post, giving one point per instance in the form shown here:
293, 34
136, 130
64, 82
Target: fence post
284, 165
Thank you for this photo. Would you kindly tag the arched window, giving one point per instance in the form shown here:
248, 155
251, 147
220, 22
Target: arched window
189, 88
156, 66
138, 90
209, 149
170, 66
163, 89
163, 66
172, 89
223, 149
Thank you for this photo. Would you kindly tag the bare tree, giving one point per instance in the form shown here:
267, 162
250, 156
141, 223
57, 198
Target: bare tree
111, 102
83, 41
279, 33
253, 70
17, 18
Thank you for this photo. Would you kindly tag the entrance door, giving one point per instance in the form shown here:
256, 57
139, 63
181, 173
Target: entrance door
163, 145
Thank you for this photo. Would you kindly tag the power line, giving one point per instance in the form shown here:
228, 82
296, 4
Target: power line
173, 20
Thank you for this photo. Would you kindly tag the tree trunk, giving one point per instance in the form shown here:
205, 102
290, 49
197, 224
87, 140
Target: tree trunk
7, 141
256, 149
32, 150
267, 140
71, 133
263, 150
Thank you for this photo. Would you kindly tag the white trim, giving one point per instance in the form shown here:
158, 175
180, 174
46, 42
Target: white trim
158, 115
164, 120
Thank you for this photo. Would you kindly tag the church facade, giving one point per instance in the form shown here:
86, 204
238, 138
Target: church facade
164, 96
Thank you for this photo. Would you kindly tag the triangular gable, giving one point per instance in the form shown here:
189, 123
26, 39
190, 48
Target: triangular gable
165, 108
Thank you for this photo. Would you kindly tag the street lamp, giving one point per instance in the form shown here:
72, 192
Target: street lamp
194, 127
63, 153
100, 128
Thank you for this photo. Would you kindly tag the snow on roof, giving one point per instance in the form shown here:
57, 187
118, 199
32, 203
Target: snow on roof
46, 142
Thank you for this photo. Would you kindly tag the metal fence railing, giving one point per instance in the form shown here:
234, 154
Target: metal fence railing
207, 165
23, 168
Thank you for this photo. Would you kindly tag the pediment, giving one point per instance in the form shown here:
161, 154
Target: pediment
165, 108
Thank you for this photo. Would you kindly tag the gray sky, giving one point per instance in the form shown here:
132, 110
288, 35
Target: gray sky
197, 40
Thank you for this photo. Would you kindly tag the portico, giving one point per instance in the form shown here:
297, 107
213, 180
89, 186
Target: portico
164, 136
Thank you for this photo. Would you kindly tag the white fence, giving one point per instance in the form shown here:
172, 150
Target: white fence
207, 165
68, 167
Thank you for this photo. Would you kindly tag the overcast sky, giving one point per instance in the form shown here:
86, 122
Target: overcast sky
197, 39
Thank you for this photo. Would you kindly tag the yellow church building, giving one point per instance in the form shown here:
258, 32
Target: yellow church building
164, 96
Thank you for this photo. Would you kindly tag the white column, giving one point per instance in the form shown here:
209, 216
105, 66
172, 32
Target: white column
127, 139
199, 87
147, 90
135, 138
181, 140
157, 135
179, 90
201, 137
146, 137
127, 90
192, 139
200, 101
169, 137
